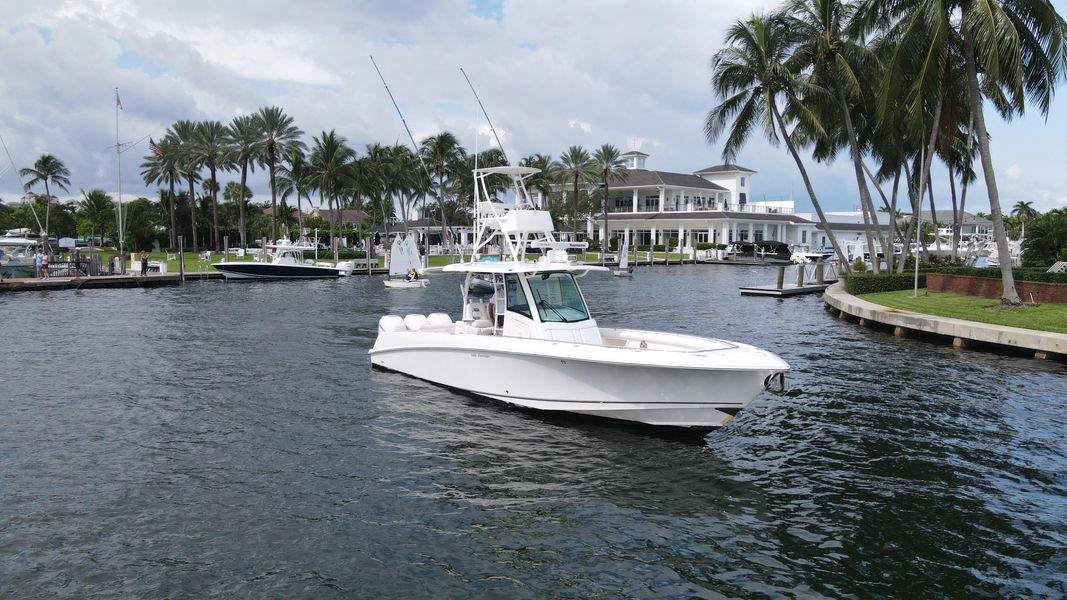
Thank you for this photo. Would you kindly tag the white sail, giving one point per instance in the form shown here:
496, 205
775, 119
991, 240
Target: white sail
624, 255
403, 256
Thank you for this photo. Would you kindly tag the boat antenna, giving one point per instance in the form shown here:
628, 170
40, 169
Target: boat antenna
490, 121
414, 146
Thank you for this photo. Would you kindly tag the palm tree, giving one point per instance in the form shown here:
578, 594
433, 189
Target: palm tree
276, 135
750, 74
1018, 47
211, 148
611, 168
1024, 211
543, 182
293, 178
838, 64
161, 166
184, 134
578, 168
441, 152
47, 170
328, 170
245, 153
97, 209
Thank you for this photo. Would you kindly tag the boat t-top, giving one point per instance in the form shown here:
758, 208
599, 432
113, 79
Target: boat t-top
534, 343
284, 261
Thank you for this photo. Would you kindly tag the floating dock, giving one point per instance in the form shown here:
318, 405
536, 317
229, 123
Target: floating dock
32, 284
809, 279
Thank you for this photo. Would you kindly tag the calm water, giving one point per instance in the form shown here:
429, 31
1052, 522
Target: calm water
231, 440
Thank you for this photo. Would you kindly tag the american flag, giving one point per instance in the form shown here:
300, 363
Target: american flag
154, 148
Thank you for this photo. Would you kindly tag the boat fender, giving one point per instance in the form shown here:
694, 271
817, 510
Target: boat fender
775, 382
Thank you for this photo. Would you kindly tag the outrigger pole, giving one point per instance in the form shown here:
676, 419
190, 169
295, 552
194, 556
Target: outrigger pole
488, 120
415, 148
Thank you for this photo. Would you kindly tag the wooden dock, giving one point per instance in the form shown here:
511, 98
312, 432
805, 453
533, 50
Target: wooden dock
32, 284
809, 279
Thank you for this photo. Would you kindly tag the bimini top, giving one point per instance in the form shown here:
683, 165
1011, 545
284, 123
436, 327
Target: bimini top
511, 171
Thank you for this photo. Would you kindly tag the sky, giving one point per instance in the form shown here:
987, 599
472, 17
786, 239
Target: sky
551, 75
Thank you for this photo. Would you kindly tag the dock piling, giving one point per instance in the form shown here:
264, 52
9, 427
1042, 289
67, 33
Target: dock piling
781, 278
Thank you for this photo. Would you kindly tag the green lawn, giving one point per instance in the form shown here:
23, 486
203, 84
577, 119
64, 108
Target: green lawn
1046, 317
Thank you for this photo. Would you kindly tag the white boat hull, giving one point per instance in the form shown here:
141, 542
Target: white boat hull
622, 274
696, 388
404, 283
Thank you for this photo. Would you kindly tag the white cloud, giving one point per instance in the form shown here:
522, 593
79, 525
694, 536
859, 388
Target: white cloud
1014, 172
639, 72
583, 125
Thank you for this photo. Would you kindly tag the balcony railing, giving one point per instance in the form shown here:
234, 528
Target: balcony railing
748, 208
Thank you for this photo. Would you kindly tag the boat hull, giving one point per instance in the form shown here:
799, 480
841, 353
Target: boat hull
404, 283
637, 385
253, 270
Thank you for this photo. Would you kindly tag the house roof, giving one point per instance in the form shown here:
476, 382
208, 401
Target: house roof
945, 217
727, 168
348, 215
634, 153
646, 178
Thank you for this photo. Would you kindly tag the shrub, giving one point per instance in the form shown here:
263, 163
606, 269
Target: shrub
1023, 274
858, 266
594, 245
869, 283
705, 246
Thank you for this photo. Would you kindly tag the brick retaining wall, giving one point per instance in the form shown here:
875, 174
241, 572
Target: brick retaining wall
989, 287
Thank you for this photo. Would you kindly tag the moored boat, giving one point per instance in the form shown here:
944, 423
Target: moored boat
286, 261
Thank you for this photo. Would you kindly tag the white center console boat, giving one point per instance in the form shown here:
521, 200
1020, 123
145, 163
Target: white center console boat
534, 343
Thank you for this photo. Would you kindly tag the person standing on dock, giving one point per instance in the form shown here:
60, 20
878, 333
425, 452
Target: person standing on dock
37, 258
44, 266
144, 263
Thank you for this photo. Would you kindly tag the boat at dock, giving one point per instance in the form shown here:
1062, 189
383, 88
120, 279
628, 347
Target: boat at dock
284, 261
535, 344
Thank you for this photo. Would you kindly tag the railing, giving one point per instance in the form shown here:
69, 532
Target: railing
748, 208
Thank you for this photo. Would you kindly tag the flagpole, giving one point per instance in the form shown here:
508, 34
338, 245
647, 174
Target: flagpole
118, 160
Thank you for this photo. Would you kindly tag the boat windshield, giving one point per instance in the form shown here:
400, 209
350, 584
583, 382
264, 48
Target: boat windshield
557, 298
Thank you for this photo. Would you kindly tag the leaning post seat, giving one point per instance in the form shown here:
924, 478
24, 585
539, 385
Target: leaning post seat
392, 323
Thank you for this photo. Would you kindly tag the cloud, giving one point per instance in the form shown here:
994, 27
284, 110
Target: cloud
583, 125
1014, 172
532, 70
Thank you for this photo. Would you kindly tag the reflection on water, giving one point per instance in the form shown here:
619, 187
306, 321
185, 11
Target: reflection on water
231, 439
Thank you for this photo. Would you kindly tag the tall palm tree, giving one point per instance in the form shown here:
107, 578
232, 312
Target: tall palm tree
294, 178
576, 167
211, 148
611, 169
752, 75
440, 152
47, 170
1017, 46
97, 209
838, 64
1024, 211
245, 153
184, 134
277, 134
162, 167
328, 171
543, 182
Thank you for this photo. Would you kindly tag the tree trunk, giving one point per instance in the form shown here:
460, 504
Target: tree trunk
924, 175
273, 201
47, 206
845, 267
955, 213
909, 236
241, 204
869, 213
933, 213
214, 209
300, 214
192, 209
1010, 297
173, 218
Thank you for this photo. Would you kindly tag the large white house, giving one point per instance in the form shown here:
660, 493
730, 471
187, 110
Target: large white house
710, 205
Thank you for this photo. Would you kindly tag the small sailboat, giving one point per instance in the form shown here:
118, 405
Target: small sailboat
624, 269
405, 270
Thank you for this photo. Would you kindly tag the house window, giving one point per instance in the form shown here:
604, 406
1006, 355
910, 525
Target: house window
743, 234
804, 236
758, 235
730, 235
742, 182
744, 198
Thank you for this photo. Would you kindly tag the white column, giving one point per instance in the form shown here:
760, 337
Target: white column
604, 236
662, 195
725, 232
626, 235
652, 239
635, 200
681, 235
766, 228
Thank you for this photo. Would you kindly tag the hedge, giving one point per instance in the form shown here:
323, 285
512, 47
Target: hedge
1039, 275
869, 283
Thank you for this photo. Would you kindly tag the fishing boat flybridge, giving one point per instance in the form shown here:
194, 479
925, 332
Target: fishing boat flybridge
533, 343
